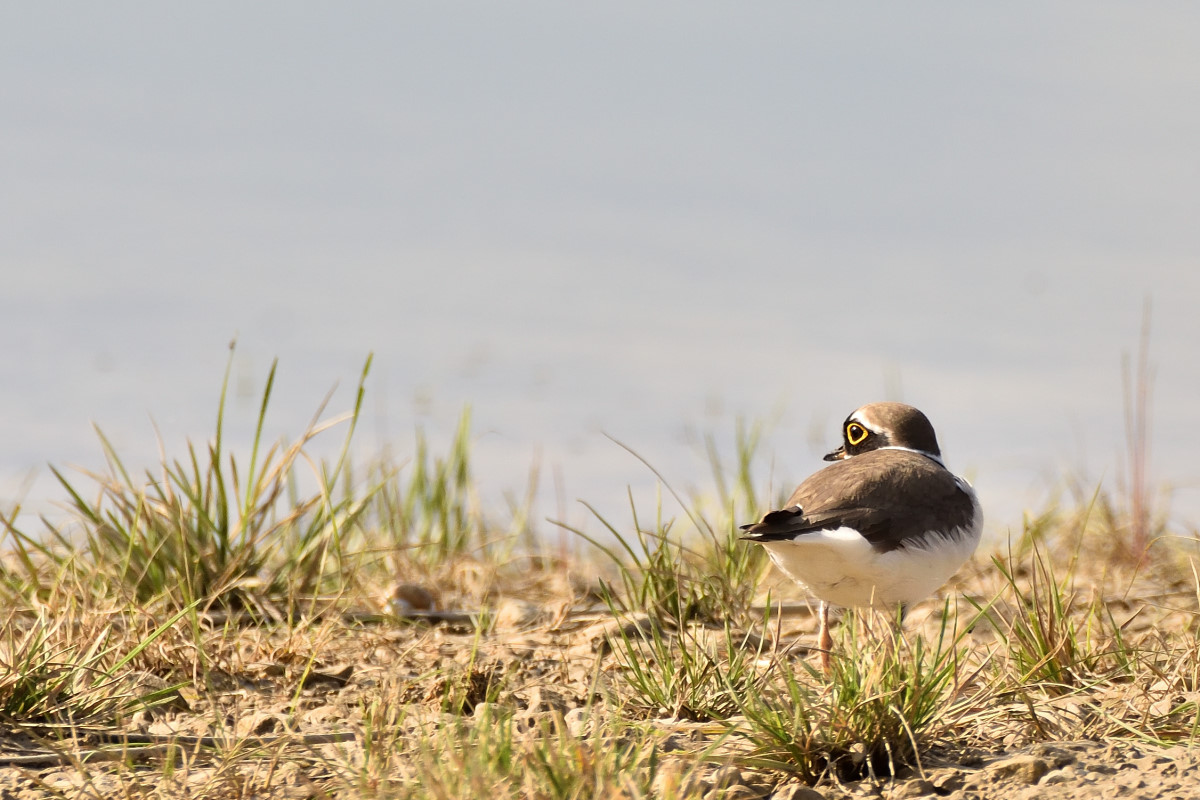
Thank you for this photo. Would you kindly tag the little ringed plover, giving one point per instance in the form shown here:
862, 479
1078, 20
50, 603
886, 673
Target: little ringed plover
886, 524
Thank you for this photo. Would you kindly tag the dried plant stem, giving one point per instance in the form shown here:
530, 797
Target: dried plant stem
1137, 379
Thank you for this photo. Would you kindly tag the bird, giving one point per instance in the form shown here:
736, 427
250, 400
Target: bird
885, 525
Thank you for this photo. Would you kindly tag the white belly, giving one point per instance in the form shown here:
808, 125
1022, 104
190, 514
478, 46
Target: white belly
840, 567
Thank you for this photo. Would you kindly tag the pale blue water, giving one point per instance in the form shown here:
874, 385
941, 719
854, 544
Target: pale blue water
611, 219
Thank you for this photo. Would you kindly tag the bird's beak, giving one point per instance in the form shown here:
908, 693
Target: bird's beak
836, 455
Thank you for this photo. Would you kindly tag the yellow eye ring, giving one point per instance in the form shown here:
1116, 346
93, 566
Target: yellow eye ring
855, 433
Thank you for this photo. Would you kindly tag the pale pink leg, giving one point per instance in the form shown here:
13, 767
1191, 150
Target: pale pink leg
824, 639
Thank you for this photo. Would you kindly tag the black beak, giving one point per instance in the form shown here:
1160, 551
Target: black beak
836, 455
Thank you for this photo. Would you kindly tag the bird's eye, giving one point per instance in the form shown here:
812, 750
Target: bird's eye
855, 433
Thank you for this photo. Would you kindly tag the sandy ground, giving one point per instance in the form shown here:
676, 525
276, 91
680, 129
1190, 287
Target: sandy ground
289, 713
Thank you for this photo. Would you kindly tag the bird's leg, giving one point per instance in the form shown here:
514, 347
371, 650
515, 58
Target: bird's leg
824, 640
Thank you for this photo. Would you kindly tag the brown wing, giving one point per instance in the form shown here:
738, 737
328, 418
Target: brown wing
888, 496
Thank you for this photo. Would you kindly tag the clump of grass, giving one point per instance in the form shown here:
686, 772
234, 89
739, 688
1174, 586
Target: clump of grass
735, 568
435, 516
884, 699
661, 600
57, 673
657, 573
698, 673
217, 531
688, 641
706, 576
664, 602
489, 755
1055, 638
38, 574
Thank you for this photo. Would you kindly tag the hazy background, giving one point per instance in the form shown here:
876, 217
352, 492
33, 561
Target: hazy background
606, 218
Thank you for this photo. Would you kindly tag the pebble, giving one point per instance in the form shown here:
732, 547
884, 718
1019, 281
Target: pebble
544, 698
963, 794
490, 711
578, 721
608, 634
725, 777
1055, 757
1025, 769
672, 782
797, 791
733, 793
947, 780
1055, 776
409, 597
1145, 763
324, 716
258, 723
62, 779
183, 726
910, 789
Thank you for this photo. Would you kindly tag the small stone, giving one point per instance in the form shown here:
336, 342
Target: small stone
750, 776
1146, 763
409, 597
324, 717
797, 791
1055, 776
578, 721
490, 711
13, 778
734, 793
62, 779
910, 789
332, 678
1025, 769
258, 723
947, 780
608, 635
1055, 757
725, 777
183, 726
269, 669
672, 781
99, 786
544, 698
